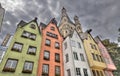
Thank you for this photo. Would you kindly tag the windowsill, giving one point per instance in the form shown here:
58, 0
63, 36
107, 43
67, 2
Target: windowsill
31, 53
16, 50
27, 71
9, 70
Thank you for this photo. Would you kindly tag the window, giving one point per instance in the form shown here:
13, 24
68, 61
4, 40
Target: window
68, 72
65, 45
47, 42
72, 43
32, 50
29, 35
57, 57
91, 45
101, 73
82, 57
57, 71
97, 73
32, 26
75, 56
46, 55
52, 35
25, 34
94, 47
94, 74
79, 46
28, 67
17, 47
85, 72
93, 55
57, 45
10, 65
45, 70
52, 28
101, 58
32, 36
78, 72
97, 57
67, 58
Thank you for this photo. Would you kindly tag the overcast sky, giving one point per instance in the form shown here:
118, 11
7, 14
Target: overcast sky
103, 16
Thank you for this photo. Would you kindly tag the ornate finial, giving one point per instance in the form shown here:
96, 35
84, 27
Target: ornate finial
35, 19
76, 18
54, 21
64, 12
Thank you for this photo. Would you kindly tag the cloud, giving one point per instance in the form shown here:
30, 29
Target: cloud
101, 15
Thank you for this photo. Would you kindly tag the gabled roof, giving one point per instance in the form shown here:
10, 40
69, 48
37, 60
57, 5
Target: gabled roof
53, 21
23, 23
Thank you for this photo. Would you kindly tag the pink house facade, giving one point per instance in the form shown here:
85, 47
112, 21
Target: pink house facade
109, 63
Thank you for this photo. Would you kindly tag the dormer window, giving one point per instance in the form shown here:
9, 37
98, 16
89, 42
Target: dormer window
52, 28
33, 26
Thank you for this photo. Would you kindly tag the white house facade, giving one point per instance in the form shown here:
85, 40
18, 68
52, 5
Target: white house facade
75, 60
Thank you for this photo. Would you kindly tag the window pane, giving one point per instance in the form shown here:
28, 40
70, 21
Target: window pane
45, 68
85, 72
57, 45
79, 46
32, 50
10, 65
47, 42
17, 46
46, 55
75, 56
68, 72
65, 45
28, 66
57, 57
57, 70
67, 57
82, 57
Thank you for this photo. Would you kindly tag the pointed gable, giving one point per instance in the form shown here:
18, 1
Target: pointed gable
52, 29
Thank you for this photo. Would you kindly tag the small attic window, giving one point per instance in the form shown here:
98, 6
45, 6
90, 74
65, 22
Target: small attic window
52, 28
33, 26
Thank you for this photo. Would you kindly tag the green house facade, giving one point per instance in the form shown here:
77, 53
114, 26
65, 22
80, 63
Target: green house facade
21, 58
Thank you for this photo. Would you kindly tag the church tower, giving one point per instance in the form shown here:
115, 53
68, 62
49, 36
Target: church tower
66, 26
77, 24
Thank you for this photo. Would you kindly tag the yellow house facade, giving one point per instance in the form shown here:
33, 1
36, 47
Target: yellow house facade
95, 59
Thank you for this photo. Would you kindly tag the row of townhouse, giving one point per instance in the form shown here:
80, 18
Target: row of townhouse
51, 50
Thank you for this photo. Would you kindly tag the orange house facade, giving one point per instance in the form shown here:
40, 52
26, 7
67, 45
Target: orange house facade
51, 58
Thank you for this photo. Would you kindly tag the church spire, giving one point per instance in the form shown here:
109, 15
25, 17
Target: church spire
76, 19
77, 24
64, 12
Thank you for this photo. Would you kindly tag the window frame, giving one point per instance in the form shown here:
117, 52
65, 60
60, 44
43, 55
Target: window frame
16, 49
58, 45
52, 28
44, 73
9, 69
57, 60
67, 57
78, 71
32, 53
82, 57
46, 43
28, 70
45, 58
59, 71
85, 71
68, 72
75, 55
